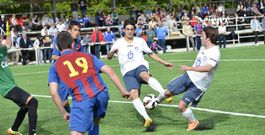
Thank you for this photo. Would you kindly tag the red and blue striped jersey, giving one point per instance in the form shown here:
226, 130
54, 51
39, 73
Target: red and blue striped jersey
80, 73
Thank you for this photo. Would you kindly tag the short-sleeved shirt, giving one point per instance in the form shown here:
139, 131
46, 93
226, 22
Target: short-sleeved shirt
211, 56
130, 55
7, 81
80, 73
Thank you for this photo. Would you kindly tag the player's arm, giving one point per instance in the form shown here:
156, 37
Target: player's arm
156, 58
55, 57
115, 79
57, 100
205, 68
111, 54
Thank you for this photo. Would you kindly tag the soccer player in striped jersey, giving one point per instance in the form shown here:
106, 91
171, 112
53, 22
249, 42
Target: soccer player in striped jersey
74, 30
135, 69
9, 90
80, 73
197, 78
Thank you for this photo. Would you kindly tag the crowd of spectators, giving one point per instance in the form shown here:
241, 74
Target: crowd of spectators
159, 22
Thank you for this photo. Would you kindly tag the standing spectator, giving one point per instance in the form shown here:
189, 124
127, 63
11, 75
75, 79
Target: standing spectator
115, 17
36, 45
255, 27
74, 9
161, 33
24, 44
3, 23
47, 51
121, 29
109, 38
221, 36
263, 27
86, 43
150, 34
97, 41
198, 32
188, 32
83, 7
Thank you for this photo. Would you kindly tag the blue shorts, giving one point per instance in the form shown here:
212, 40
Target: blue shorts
132, 78
184, 84
83, 113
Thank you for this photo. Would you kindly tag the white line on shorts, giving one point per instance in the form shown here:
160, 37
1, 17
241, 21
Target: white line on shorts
194, 108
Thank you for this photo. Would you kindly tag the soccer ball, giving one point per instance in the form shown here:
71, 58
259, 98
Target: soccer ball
150, 101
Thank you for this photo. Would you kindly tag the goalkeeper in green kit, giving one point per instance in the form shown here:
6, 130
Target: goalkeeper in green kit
9, 90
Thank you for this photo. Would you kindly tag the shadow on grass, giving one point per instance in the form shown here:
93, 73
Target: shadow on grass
209, 123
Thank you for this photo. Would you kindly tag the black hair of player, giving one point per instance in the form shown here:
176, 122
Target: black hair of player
64, 40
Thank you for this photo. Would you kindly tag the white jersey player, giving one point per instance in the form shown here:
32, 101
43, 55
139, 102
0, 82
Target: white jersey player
197, 78
134, 68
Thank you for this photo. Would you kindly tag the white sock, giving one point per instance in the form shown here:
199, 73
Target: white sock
189, 115
139, 106
154, 84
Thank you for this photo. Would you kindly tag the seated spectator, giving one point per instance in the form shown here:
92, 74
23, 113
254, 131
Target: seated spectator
173, 31
155, 47
115, 17
24, 44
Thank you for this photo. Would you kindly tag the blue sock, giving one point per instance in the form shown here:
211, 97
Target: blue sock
95, 130
67, 108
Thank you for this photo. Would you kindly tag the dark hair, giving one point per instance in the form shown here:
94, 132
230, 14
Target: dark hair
64, 40
129, 22
211, 33
73, 23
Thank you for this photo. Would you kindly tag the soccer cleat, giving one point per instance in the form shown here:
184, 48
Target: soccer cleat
193, 125
169, 100
11, 132
149, 125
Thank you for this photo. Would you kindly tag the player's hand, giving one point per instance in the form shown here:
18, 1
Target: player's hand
125, 94
66, 116
115, 50
184, 68
169, 65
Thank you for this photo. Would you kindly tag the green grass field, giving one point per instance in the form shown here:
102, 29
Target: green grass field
238, 87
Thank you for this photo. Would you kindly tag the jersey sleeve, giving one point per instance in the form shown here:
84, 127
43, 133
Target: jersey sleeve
53, 76
55, 51
214, 59
114, 46
97, 63
146, 49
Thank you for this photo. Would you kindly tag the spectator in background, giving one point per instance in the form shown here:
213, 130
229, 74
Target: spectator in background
161, 33
3, 23
109, 38
83, 7
121, 29
138, 30
150, 34
25, 22
24, 44
47, 51
148, 13
99, 19
255, 27
36, 24
155, 47
36, 45
115, 17
97, 41
13, 21
263, 27
221, 36
74, 9
198, 32
86, 42
188, 32
108, 20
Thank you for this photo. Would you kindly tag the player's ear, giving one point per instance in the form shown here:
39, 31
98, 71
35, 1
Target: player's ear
72, 46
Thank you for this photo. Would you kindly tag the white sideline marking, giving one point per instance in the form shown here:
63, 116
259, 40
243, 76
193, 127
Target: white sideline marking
227, 60
194, 108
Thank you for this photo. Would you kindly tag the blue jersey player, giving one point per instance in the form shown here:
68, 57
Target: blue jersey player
74, 30
79, 72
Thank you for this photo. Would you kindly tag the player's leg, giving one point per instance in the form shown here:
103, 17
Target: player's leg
152, 82
99, 111
32, 105
192, 94
23, 100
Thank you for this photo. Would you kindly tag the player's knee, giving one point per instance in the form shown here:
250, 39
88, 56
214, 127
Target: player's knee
145, 76
134, 94
33, 103
182, 106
